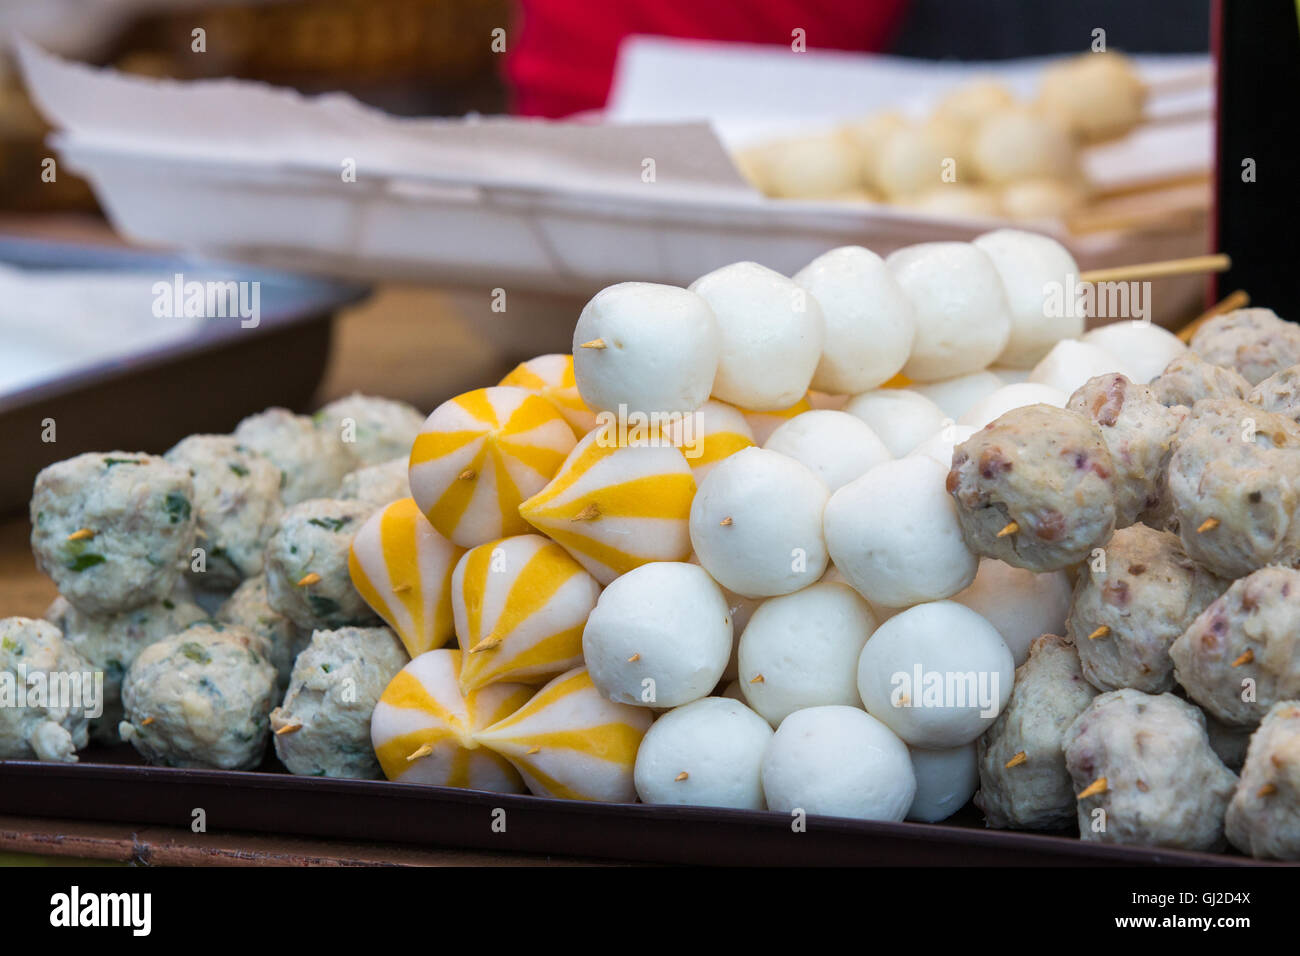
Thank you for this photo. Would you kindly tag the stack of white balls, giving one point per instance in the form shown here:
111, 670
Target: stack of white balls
837, 537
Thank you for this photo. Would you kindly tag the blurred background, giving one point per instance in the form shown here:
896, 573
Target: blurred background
391, 333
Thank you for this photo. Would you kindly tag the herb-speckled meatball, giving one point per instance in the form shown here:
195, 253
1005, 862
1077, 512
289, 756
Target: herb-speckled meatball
250, 608
1140, 599
1189, 379
200, 698
1048, 471
371, 431
323, 727
307, 565
1033, 792
1264, 815
34, 722
237, 503
1152, 772
111, 642
1139, 432
311, 463
1242, 653
1234, 481
378, 485
1279, 393
1254, 342
113, 530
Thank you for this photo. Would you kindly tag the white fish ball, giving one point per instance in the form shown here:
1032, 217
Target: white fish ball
894, 534
1030, 265
1022, 605
900, 417
708, 753
835, 446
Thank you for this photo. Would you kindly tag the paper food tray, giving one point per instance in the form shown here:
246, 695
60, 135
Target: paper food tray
240, 170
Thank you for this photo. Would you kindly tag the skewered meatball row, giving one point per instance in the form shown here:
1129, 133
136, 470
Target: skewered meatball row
1139, 432
43, 728
110, 643
113, 530
1189, 378
1023, 780
1279, 393
307, 565
1264, 815
323, 727
1144, 773
1035, 489
1242, 653
236, 504
200, 698
1233, 487
1129, 608
1253, 342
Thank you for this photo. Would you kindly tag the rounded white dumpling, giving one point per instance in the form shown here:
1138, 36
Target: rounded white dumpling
1016, 143
900, 417
937, 674
945, 781
939, 446
708, 753
801, 650
1012, 396
956, 395
808, 167
1022, 605
835, 446
868, 321
1096, 96
659, 636
894, 534
1039, 199
956, 200
1031, 267
1071, 362
756, 524
962, 317
973, 100
772, 335
1147, 349
910, 161
647, 348
837, 761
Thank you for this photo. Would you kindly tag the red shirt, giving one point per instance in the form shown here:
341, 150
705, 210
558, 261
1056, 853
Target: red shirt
560, 55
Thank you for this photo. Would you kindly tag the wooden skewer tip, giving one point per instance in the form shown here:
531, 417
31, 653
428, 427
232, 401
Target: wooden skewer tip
1099, 785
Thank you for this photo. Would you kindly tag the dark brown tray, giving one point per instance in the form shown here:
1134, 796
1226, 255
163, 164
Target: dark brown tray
152, 399
280, 803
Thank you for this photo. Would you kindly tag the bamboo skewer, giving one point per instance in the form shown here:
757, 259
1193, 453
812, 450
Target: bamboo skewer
1218, 262
1230, 303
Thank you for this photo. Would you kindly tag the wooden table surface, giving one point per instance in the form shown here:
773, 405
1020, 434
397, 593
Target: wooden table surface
373, 348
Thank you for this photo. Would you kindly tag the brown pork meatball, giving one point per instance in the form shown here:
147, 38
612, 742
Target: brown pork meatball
1234, 482
1242, 653
1128, 609
1264, 815
1036, 488
1279, 393
1254, 342
1189, 379
1023, 781
1145, 762
1139, 432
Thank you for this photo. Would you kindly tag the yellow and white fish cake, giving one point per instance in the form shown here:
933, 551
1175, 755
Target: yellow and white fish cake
570, 742
551, 377
480, 455
520, 605
615, 506
423, 728
713, 432
402, 568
